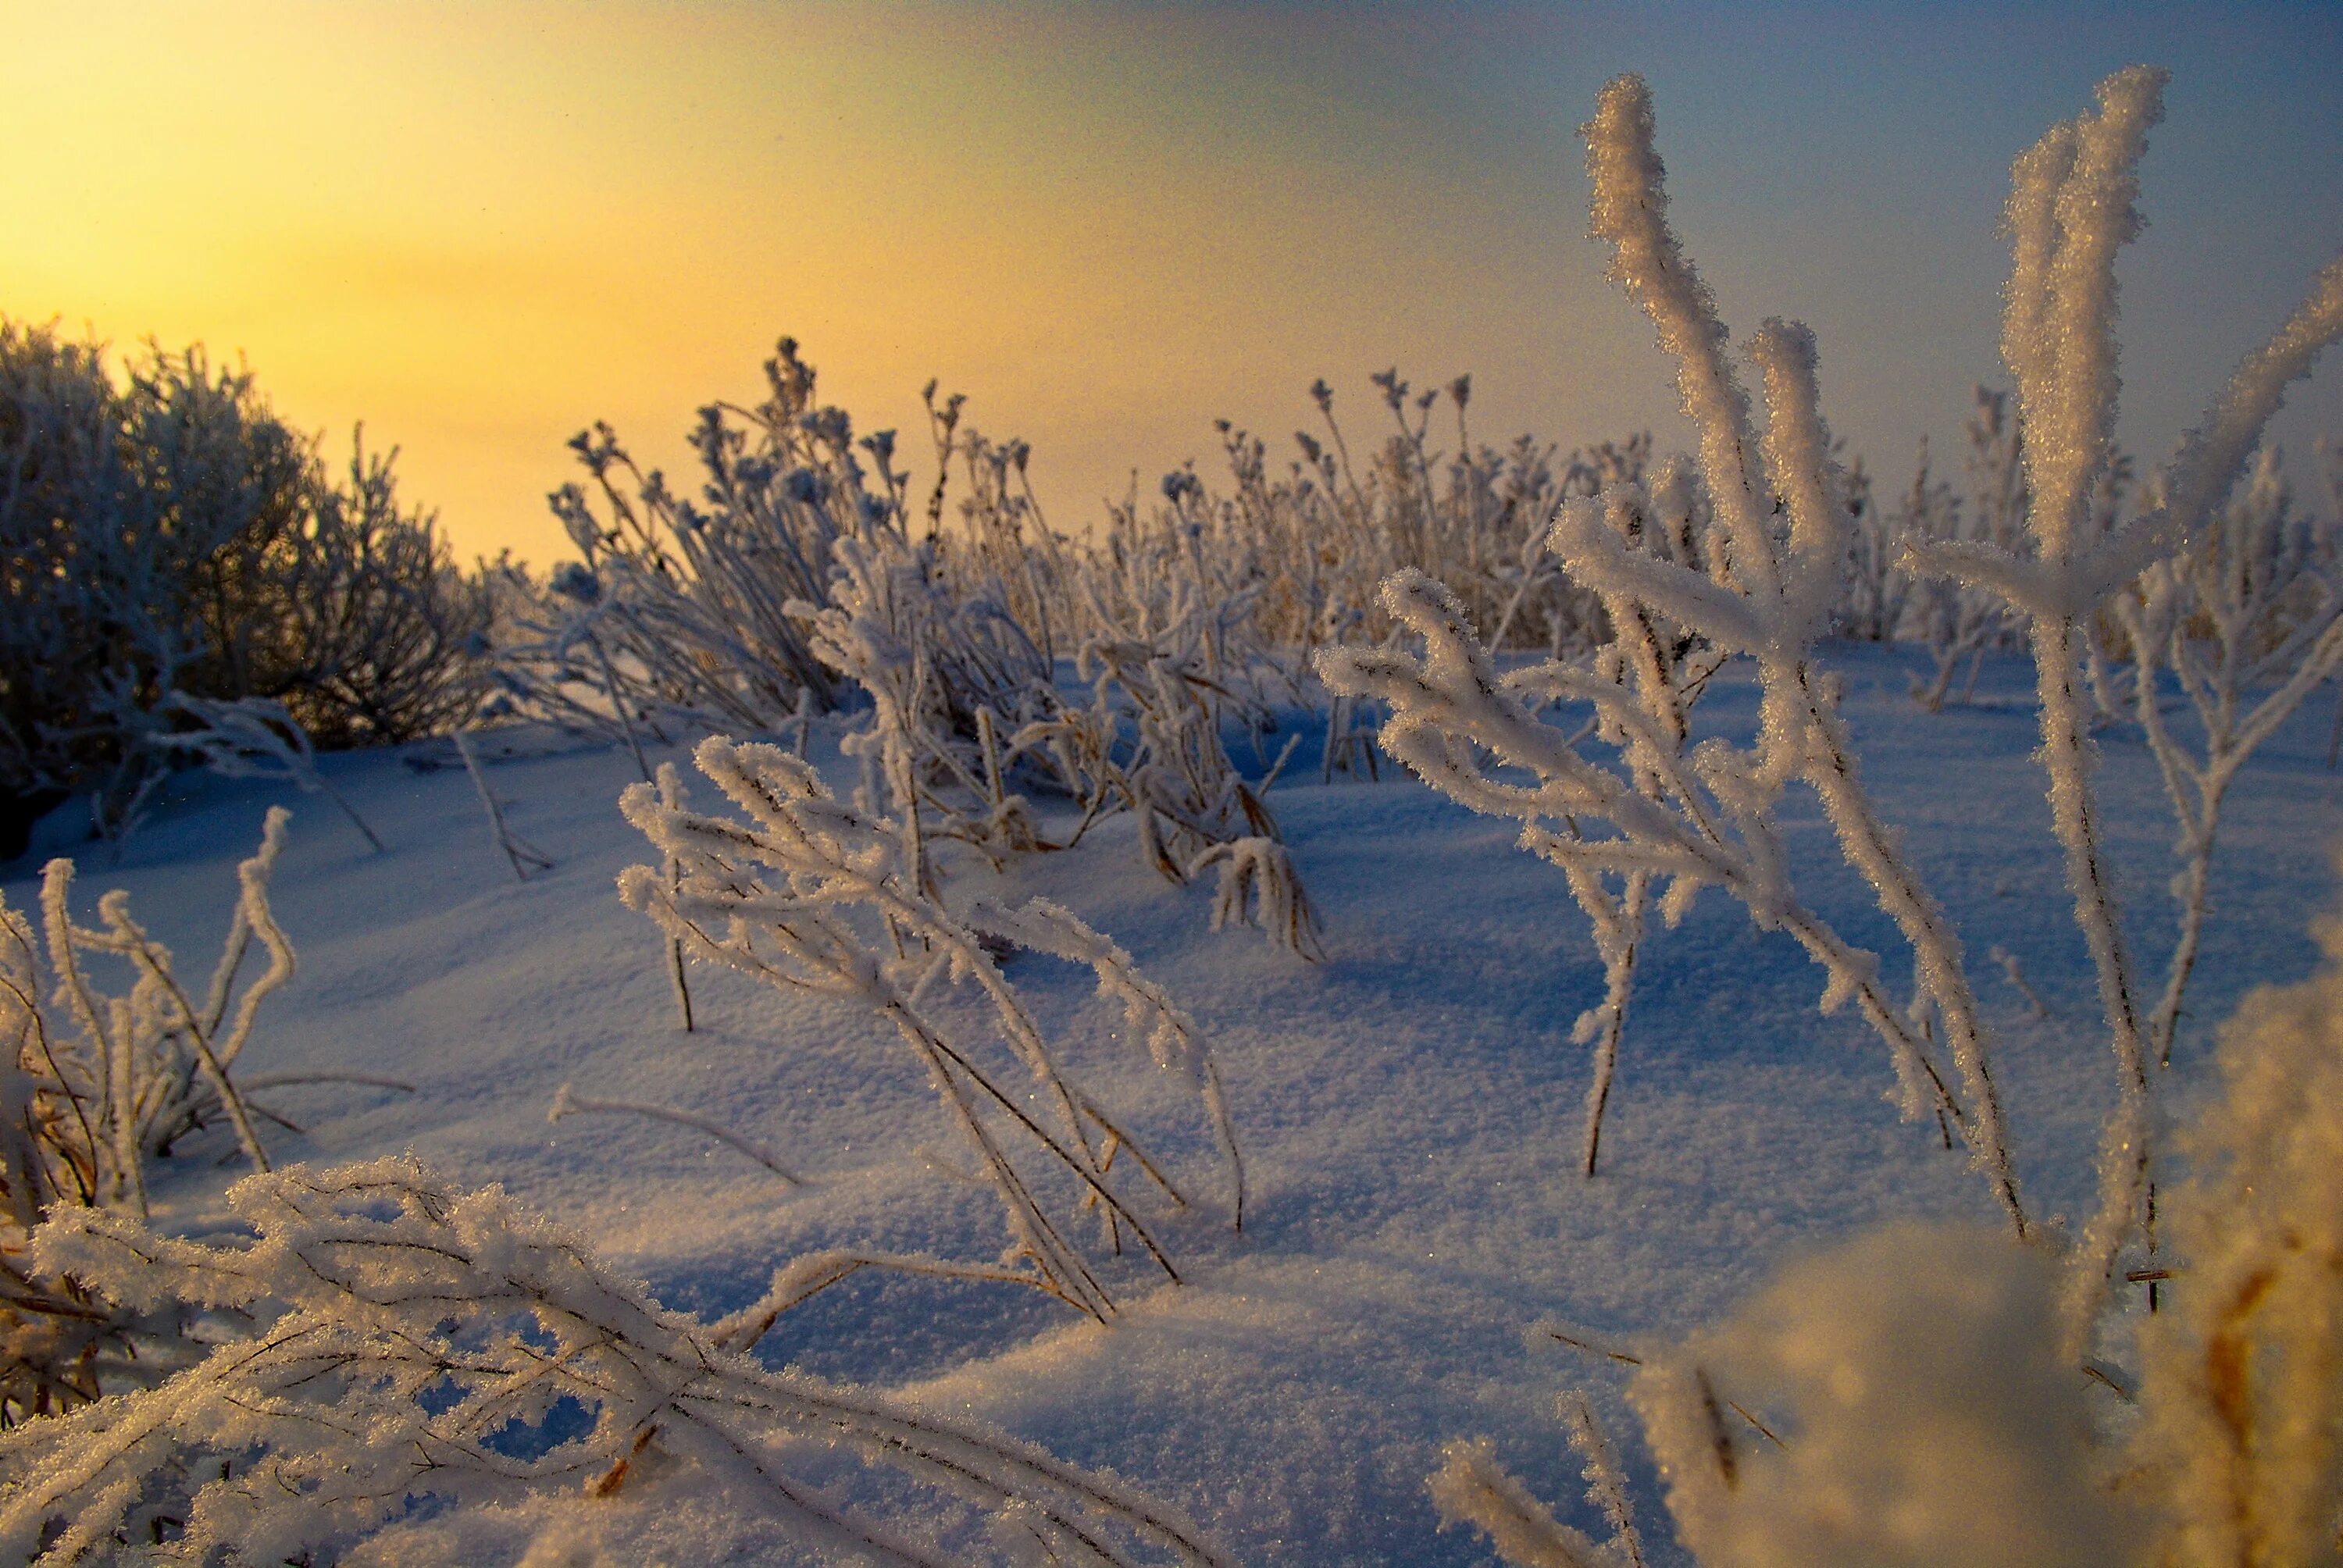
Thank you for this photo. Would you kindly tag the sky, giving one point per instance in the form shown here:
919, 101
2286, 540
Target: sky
478, 228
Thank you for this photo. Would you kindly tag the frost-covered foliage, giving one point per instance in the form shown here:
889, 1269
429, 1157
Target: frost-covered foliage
1905, 1398
2242, 1441
388, 1347
172, 535
963, 705
253, 737
1920, 1397
1960, 621
2070, 211
1307, 547
1712, 583
801, 585
680, 611
1762, 586
2247, 619
810, 894
96, 1086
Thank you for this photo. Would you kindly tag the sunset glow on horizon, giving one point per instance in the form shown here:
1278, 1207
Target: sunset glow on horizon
480, 227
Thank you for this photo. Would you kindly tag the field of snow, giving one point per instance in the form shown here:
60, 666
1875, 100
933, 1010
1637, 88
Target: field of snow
1409, 1107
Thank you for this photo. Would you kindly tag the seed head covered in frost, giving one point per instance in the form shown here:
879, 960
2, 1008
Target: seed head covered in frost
1921, 1412
2242, 1385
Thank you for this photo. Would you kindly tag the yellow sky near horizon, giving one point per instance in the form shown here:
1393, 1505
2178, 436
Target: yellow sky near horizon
480, 224
478, 228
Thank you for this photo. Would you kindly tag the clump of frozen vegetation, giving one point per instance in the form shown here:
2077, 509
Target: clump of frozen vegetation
167, 534
810, 894
1929, 1385
99, 1085
387, 1345
806, 582
1721, 577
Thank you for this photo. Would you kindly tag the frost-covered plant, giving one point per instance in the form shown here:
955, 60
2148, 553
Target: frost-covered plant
143, 1069
253, 737
1906, 1397
944, 675
1961, 621
2242, 1438
94, 1086
810, 894
521, 855
962, 703
167, 532
1258, 886
1177, 778
685, 611
2070, 211
2248, 619
1298, 554
1671, 813
389, 1345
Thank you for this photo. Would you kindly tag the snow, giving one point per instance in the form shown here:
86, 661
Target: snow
1409, 1107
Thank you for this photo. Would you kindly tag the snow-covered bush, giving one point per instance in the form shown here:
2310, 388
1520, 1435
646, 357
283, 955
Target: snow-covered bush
172, 535
810, 894
388, 1347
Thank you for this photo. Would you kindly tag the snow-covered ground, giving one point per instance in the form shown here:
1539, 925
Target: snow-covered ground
1410, 1107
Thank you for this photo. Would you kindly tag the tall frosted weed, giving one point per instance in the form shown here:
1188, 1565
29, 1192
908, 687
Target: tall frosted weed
1933, 1384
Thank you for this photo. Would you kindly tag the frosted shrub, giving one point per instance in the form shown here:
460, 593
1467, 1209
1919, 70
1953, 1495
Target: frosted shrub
97, 1086
388, 1345
962, 704
810, 894
1176, 777
169, 534
679, 612
1296, 555
944, 676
